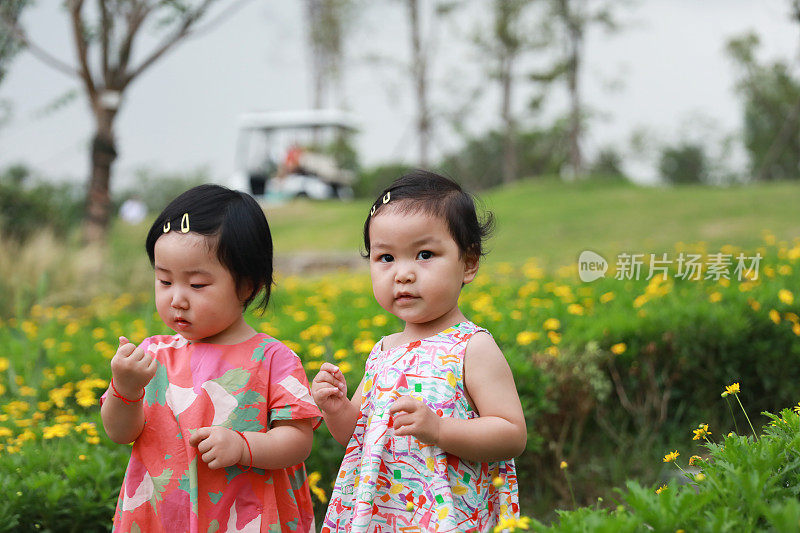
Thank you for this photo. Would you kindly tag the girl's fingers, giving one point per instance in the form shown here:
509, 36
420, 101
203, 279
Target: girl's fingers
199, 435
327, 393
331, 380
208, 458
403, 403
331, 369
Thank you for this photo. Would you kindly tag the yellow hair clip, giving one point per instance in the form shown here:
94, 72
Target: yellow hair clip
386, 198
185, 223
166, 227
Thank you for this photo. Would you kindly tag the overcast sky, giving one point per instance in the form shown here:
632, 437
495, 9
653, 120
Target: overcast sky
666, 72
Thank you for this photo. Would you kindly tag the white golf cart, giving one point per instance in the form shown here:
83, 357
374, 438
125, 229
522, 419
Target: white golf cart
291, 154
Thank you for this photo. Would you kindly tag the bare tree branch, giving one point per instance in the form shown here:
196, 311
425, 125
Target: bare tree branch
135, 19
106, 28
19, 34
82, 47
182, 32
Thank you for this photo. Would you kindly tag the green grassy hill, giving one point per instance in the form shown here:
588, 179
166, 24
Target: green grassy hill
555, 221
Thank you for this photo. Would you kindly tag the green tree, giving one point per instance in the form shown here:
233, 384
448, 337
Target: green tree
570, 20
9, 45
512, 36
327, 23
105, 36
771, 95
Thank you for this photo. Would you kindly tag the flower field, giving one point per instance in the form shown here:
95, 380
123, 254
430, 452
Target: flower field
611, 373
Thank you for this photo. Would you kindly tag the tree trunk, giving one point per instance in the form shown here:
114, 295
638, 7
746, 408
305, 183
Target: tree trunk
98, 198
510, 130
419, 68
314, 19
575, 156
575, 43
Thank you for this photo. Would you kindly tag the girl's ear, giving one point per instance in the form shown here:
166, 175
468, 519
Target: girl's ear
245, 291
471, 265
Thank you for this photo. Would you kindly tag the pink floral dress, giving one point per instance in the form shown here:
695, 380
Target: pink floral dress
389, 483
247, 387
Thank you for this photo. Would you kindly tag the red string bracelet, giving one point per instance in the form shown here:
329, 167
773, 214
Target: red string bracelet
249, 450
125, 400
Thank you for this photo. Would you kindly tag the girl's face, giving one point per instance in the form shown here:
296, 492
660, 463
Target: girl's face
195, 294
416, 269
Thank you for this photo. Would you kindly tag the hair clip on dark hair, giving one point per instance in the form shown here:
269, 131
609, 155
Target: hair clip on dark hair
184, 224
385, 200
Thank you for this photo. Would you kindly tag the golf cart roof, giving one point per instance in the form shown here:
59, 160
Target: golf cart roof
300, 119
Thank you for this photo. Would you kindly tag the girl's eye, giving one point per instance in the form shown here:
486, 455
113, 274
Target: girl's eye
165, 283
198, 285
385, 258
425, 254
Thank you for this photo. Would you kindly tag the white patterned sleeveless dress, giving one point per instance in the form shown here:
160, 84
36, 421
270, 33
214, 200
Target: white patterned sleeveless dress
388, 483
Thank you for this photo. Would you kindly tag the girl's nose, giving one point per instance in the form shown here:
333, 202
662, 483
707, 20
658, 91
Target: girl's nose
179, 301
404, 273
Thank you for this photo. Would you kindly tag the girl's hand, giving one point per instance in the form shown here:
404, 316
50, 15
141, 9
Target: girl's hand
219, 447
329, 389
132, 369
416, 419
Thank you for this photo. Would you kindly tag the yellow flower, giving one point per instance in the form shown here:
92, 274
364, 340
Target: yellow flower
731, 389
694, 458
775, 316
786, 296
671, 456
56, 430
607, 297
526, 337
345, 367
552, 351
701, 432
699, 477
563, 465
340, 354
575, 309
313, 479
619, 348
379, 320
363, 346
554, 337
552, 323
661, 489
3, 364
797, 408
715, 297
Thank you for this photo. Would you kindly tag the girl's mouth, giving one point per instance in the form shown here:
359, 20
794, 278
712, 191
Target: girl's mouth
182, 323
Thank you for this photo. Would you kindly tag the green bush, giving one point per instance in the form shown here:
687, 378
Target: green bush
743, 484
28, 206
372, 180
478, 164
685, 163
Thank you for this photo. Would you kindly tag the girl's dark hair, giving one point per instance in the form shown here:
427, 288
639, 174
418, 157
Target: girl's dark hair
430, 193
237, 229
